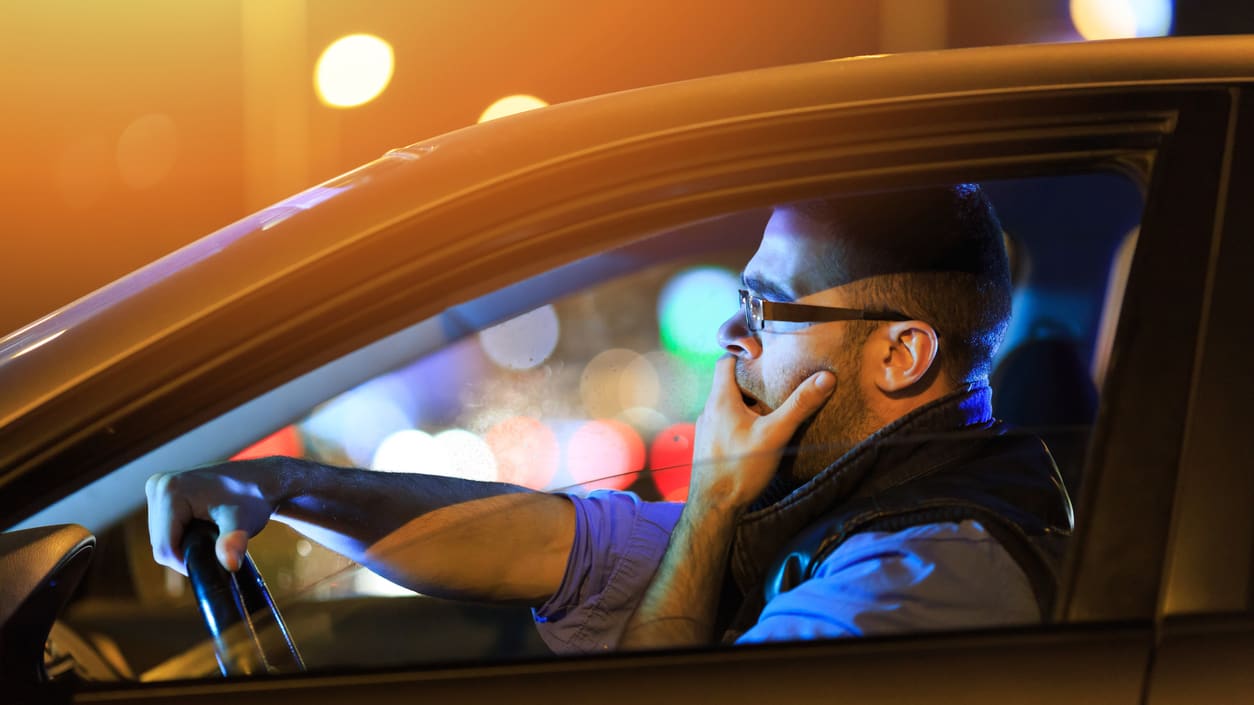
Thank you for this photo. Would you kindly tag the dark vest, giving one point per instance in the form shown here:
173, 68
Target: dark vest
947, 461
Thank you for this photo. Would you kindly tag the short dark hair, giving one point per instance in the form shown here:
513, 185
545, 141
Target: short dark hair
935, 254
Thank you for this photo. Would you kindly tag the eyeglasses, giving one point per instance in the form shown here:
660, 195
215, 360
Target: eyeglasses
758, 312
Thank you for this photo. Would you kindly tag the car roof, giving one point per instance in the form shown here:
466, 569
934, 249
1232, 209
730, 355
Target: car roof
52, 355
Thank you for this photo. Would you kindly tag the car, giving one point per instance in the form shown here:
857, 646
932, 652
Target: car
1119, 170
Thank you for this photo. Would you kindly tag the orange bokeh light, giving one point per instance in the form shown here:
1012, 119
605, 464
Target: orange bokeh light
511, 105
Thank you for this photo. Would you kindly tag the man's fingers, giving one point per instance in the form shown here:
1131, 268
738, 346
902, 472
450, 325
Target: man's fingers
724, 392
724, 378
232, 540
231, 547
166, 519
806, 399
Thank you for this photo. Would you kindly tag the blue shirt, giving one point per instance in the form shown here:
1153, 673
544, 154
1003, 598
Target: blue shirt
930, 577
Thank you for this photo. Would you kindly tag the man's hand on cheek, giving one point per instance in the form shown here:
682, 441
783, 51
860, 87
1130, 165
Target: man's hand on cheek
737, 451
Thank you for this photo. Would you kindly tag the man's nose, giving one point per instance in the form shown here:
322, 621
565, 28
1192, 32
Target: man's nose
736, 338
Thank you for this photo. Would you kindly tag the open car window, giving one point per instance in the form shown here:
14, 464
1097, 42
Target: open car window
585, 380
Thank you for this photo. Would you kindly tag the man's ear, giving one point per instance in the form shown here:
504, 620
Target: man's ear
905, 353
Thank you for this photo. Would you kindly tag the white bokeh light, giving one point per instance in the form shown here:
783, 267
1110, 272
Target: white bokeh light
353, 70
359, 420
522, 342
1120, 19
465, 455
408, 450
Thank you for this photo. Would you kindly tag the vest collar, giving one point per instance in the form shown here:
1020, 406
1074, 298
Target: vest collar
891, 455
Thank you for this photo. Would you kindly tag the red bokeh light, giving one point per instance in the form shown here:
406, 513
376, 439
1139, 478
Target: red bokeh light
285, 441
670, 459
527, 452
605, 454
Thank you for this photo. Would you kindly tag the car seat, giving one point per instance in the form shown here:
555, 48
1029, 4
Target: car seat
1043, 387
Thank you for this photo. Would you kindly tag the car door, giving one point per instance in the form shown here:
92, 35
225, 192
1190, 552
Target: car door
1172, 138
1100, 649
1206, 638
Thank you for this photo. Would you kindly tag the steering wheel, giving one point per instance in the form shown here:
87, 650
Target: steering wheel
249, 635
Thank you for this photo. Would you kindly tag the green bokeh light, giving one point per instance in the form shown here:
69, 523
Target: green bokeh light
691, 307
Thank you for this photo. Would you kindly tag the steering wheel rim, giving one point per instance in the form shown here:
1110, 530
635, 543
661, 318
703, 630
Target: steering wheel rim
249, 635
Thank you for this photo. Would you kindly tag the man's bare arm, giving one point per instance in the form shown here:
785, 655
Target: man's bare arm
736, 454
678, 608
441, 536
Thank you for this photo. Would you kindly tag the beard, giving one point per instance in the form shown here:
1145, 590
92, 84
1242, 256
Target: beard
840, 424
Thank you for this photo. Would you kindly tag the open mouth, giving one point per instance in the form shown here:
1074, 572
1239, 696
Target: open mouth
752, 402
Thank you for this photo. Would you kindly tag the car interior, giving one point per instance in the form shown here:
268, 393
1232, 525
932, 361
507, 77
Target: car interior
586, 377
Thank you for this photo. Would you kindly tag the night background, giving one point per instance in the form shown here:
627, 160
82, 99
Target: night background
134, 127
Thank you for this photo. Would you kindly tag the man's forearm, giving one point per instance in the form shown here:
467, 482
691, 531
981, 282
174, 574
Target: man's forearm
441, 536
678, 609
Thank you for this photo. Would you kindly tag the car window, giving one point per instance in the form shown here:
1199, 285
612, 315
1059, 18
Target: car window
598, 388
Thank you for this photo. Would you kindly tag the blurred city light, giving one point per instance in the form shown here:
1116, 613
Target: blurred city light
527, 452
692, 307
366, 582
510, 105
523, 342
686, 385
647, 421
285, 441
353, 70
1118, 19
407, 450
670, 460
616, 380
604, 454
464, 455
452, 453
357, 422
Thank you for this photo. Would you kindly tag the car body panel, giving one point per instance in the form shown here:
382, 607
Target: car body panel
1098, 666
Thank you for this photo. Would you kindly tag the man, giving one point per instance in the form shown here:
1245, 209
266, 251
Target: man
864, 340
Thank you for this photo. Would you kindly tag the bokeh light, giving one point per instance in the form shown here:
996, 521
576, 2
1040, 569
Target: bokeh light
686, 385
356, 422
670, 460
692, 307
618, 379
285, 441
511, 105
366, 582
523, 342
452, 453
1118, 19
407, 450
353, 70
464, 455
527, 452
604, 454
646, 420
147, 150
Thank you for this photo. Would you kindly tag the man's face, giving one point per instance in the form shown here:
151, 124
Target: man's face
789, 267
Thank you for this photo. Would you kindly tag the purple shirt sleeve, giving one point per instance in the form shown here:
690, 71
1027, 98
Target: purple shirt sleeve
619, 542
924, 578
